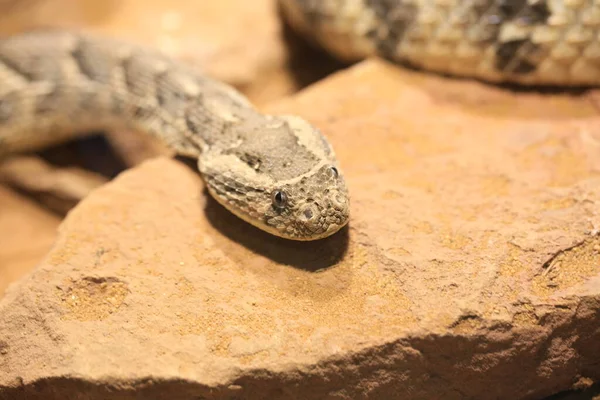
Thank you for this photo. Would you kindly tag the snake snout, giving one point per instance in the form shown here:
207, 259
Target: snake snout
327, 215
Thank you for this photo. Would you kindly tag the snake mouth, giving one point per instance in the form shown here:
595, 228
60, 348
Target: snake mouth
305, 232
310, 235
331, 230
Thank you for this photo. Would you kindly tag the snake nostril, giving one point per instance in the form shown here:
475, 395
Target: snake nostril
308, 214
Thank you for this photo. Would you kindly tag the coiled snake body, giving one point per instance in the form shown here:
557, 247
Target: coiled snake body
279, 173
531, 42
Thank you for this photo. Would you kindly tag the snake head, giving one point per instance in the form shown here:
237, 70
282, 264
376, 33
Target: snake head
282, 177
311, 207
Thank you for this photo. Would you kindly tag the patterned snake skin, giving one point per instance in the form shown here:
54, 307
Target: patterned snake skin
535, 42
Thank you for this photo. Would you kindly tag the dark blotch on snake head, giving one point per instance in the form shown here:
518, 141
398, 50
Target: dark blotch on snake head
520, 55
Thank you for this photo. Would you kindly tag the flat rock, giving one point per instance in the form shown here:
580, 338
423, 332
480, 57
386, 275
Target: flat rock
470, 268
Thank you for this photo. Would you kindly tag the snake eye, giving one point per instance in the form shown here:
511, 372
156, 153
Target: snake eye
279, 198
334, 172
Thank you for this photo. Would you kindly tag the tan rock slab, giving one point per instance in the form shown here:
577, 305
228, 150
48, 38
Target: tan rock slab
470, 269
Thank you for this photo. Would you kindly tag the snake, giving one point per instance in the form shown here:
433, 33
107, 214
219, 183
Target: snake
280, 173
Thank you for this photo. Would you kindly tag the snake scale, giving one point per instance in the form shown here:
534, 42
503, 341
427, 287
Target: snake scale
278, 172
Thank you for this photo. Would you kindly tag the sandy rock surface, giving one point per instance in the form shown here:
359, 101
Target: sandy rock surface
470, 268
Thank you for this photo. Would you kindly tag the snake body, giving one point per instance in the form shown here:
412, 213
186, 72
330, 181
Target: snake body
280, 173
527, 42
